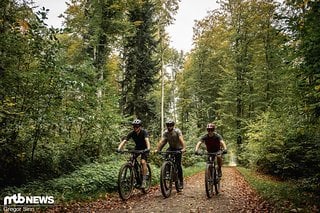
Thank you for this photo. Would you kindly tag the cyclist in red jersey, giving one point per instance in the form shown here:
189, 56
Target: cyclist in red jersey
214, 142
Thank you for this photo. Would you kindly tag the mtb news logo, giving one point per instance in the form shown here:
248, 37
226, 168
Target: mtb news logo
19, 203
33, 200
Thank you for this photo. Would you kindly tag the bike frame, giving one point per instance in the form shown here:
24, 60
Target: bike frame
130, 175
211, 174
166, 179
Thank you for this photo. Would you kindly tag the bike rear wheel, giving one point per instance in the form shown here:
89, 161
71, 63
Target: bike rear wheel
209, 180
148, 180
125, 181
166, 178
216, 181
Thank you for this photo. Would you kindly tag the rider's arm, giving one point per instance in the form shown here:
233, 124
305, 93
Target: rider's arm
122, 144
223, 145
182, 143
198, 145
148, 143
124, 141
161, 144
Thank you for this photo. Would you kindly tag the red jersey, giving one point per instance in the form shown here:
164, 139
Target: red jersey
213, 142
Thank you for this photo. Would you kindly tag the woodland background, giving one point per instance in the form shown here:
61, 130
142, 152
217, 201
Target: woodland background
67, 96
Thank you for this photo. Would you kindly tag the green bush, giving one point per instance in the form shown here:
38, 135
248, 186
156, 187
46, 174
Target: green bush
85, 182
286, 196
283, 146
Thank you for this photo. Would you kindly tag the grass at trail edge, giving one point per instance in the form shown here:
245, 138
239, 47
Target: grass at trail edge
284, 195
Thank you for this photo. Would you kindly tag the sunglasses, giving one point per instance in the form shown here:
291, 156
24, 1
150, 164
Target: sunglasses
170, 125
210, 130
136, 126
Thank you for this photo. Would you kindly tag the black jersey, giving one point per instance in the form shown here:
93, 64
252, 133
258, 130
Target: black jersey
139, 139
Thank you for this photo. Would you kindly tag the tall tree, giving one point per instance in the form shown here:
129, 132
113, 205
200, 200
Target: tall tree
304, 24
256, 62
140, 61
29, 90
236, 67
166, 10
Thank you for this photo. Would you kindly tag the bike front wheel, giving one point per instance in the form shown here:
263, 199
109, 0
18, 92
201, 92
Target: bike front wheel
166, 178
125, 181
216, 181
148, 180
209, 180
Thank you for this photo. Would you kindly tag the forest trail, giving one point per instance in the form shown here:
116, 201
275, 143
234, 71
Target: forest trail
236, 196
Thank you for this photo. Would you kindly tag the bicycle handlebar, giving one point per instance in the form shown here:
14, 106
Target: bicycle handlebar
170, 152
133, 151
210, 153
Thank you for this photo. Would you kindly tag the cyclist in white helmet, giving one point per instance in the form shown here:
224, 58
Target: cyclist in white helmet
141, 138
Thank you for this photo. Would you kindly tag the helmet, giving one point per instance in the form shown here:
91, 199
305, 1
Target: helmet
137, 122
170, 122
211, 126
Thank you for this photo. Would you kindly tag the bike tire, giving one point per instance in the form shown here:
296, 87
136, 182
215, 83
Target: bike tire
209, 180
125, 181
177, 185
148, 180
216, 181
166, 175
177, 181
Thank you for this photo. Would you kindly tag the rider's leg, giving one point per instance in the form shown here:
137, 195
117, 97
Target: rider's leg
180, 171
144, 172
144, 167
219, 159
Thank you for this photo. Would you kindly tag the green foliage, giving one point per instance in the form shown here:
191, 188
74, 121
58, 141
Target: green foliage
29, 90
265, 142
84, 183
287, 151
63, 95
284, 141
234, 73
194, 169
87, 182
286, 196
303, 23
258, 83
52, 120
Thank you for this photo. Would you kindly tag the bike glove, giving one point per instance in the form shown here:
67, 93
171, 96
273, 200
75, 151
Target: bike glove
146, 150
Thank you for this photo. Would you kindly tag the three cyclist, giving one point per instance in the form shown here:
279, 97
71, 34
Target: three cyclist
214, 143
173, 136
141, 138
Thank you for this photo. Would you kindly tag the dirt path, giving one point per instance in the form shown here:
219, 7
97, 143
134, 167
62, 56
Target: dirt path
236, 196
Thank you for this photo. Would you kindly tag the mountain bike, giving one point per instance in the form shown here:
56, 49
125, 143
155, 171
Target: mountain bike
169, 173
212, 176
130, 175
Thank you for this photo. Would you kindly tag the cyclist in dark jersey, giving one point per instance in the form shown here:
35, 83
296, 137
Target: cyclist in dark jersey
213, 142
141, 138
173, 136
